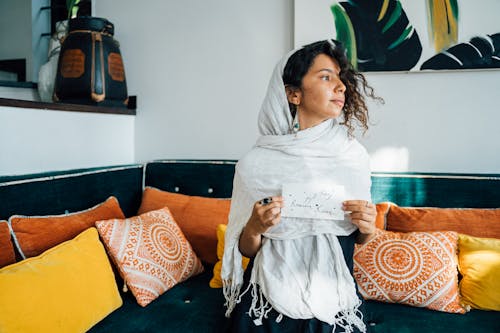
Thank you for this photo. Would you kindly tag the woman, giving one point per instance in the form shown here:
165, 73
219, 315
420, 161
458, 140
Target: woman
299, 278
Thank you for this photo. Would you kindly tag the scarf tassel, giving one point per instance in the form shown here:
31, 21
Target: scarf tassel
261, 307
349, 318
231, 294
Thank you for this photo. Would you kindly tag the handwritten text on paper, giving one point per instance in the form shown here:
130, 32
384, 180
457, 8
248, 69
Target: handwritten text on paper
313, 200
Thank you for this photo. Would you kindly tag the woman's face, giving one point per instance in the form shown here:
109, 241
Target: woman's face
322, 95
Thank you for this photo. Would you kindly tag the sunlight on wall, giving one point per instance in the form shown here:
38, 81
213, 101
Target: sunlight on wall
390, 159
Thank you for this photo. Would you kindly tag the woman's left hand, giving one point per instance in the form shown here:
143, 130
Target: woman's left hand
363, 215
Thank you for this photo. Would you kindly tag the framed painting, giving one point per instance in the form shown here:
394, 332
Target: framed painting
405, 35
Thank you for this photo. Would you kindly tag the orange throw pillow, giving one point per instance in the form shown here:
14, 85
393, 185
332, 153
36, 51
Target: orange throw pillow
35, 234
416, 268
197, 217
471, 221
150, 252
382, 211
7, 255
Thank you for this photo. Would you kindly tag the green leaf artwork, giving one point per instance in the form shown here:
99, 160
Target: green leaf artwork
442, 19
479, 52
377, 35
72, 6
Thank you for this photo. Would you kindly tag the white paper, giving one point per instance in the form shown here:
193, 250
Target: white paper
313, 200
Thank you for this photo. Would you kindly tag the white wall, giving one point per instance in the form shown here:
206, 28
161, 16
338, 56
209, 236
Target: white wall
40, 24
33, 140
42, 140
15, 21
436, 122
21, 25
200, 70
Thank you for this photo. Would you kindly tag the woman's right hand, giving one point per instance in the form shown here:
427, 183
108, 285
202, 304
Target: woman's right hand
264, 216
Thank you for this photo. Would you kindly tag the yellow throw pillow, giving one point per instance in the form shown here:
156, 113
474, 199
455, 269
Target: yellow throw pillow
479, 264
216, 281
68, 288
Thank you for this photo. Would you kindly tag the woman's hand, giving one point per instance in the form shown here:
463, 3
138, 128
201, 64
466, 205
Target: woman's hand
363, 215
265, 214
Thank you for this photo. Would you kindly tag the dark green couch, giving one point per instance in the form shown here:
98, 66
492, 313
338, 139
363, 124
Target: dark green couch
193, 306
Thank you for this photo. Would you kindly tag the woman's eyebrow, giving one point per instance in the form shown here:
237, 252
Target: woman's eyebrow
328, 70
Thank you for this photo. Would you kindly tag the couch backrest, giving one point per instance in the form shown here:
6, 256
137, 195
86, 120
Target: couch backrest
73, 190
213, 178
206, 178
437, 189
55, 193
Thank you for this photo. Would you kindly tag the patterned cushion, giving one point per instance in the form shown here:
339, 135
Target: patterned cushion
416, 268
197, 217
151, 253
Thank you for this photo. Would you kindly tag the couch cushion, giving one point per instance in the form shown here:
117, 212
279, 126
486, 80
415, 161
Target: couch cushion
416, 268
35, 234
7, 254
382, 210
216, 281
197, 217
68, 288
191, 306
150, 252
398, 318
479, 264
471, 221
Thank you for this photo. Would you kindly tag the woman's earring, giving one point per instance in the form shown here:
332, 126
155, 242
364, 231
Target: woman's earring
295, 122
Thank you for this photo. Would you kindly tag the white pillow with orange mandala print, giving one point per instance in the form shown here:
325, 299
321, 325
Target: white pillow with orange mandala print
151, 253
414, 268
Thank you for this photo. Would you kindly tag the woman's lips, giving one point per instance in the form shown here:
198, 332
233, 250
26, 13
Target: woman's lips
339, 102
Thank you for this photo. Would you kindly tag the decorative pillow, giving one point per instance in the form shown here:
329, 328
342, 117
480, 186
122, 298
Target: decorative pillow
7, 255
197, 217
150, 252
471, 221
35, 234
382, 211
416, 268
216, 281
479, 264
68, 288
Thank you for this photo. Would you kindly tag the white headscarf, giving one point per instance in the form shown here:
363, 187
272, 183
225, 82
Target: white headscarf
300, 268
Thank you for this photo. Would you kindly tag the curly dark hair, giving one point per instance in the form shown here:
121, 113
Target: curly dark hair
355, 109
